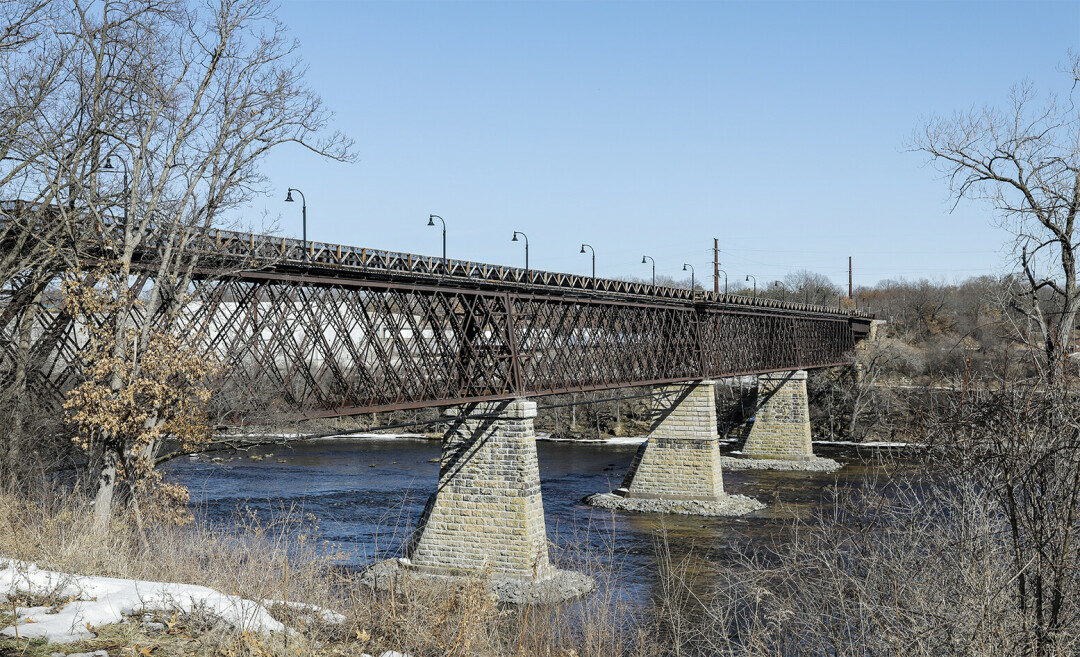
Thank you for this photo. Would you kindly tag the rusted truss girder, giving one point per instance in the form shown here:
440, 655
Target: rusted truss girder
362, 346
322, 347
316, 330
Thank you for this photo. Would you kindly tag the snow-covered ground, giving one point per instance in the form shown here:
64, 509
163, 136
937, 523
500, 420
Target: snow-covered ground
93, 602
96, 601
335, 437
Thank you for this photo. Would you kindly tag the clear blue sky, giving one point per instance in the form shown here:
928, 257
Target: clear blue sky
652, 127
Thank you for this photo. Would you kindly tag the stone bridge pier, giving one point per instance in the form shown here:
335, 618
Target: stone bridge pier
486, 517
677, 469
779, 438
781, 428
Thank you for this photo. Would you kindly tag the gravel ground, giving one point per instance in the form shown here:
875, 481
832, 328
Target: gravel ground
730, 505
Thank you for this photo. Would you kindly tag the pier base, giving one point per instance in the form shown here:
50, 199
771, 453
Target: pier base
487, 516
677, 469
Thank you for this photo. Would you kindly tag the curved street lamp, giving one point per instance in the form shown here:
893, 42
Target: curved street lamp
748, 277
516, 233
303, 199
431, 222
593, 257
782, 285
109, 166
693, 285
653, 267
725, 279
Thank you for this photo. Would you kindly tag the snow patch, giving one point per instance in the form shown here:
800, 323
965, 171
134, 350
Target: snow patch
98, 601
620, 440
328, 616
348, 437
868, 444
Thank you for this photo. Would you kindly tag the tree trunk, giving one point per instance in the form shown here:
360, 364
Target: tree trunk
12, 468
596, 417
106, 488
618, 419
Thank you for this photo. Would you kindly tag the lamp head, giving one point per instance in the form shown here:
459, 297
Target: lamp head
583, 248
288, 197
108, 163
643, 260
748, 278
684, 266
515, 237
431, 220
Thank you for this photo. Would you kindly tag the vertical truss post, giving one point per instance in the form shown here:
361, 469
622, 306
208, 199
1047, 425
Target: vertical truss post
517, 379
700, 340
797, 339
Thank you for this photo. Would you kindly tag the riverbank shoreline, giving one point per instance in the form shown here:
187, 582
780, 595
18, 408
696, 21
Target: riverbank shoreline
248, 440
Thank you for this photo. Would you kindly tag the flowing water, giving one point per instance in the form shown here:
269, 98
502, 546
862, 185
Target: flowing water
366, 494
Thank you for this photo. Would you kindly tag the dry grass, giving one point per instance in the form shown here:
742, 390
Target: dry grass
907, 571
280, 557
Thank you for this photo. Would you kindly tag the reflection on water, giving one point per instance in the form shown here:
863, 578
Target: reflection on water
367, 493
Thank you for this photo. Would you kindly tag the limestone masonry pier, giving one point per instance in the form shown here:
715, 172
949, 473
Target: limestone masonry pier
487, 512
780, 435
677, 469
487, 516
781, 427
681, 458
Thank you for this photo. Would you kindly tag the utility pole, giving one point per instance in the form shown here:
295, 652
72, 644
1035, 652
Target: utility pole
716, 265
849, 291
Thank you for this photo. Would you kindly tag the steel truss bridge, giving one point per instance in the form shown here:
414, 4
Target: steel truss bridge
321, 330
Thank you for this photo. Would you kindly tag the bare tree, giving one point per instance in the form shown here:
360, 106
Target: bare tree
812, 287
155, 128
1024, 160
1021, 441
33, 233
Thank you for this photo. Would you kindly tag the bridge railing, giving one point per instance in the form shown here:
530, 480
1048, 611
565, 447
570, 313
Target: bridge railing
316, 254
253, 249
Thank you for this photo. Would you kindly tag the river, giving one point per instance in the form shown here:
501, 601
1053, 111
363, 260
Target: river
366, 494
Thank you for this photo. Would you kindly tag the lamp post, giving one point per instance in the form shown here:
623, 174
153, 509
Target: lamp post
431, 222
593, 257
748, 277
693, 285
127, 197
516, 233
725, 279
653, 267
783, 286
303, 204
